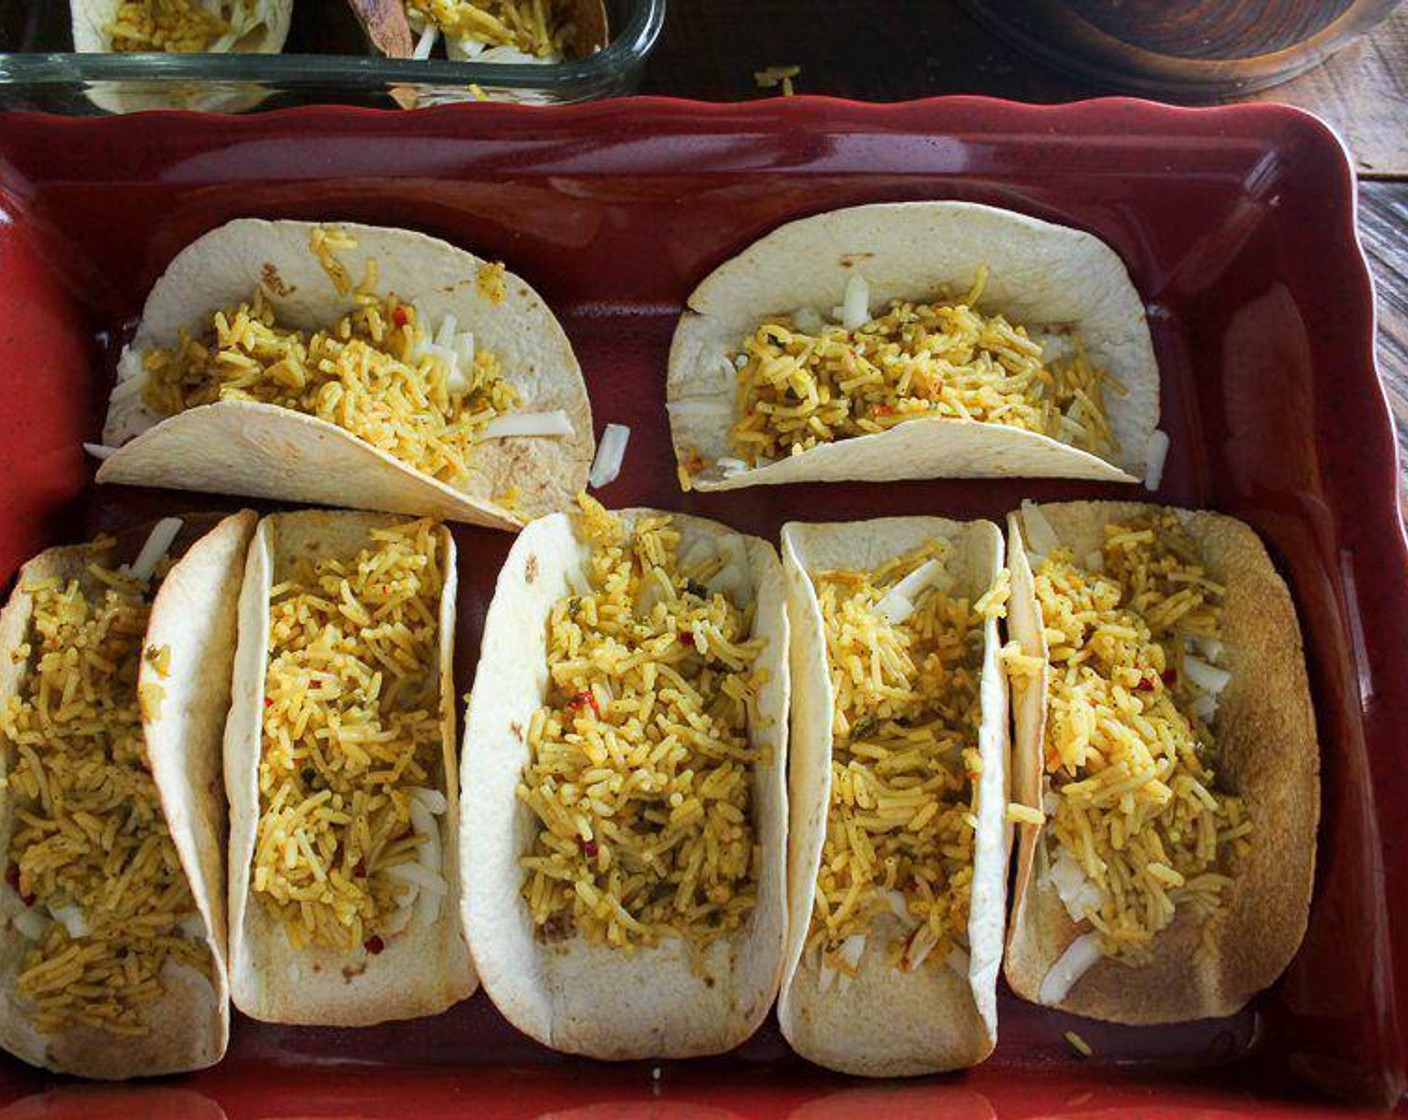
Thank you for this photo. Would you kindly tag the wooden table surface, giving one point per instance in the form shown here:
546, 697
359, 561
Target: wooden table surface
711, 49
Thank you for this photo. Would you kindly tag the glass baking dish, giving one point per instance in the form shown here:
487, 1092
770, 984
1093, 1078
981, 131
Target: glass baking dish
325, 61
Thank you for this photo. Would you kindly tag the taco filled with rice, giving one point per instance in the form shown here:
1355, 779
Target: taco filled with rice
898, 792
350, 365
181, 26
624, 804
114, 687
915, 340
503, 31
341, 774
1166, 769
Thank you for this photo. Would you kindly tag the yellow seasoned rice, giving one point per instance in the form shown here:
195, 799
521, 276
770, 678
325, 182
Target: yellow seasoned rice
90, 839
904, 766
797, 390
183, 26
641, 767
367, 373
1132, 768
351, 728
540, 28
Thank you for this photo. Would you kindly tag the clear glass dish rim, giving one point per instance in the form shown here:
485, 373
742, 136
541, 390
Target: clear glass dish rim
627, 49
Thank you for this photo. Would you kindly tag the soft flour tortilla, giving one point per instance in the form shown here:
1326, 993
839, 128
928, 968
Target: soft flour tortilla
422, 970
91, 20
1269, 756
889, 1023
573, 996
271, 452
193, 613
390, 33
1042, 276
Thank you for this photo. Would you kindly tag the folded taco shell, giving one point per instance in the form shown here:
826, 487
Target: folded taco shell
656, 1002
264, 450
1042, 276
192, 613
91, 20
1268, 755
887, 1022
425, 968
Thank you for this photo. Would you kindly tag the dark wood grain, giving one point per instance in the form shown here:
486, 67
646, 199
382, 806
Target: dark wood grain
1383, 226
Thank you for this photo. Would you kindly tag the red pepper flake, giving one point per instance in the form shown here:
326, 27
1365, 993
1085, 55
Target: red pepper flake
1169, 676
316, 682
400, 316
884, 410
359, 869
687, 637
582, 699
1146, 684
12, 876
374, 945
589, 847
268, 701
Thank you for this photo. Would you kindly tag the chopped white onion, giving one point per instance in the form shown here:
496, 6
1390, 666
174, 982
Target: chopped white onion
852, 949
855, 304
131, 376
1155, 455
958, 960
898, 603
31, 923
1041, 537
510, 424
922, 942
432, 799
728, 467
1205, 708
420, 875
610, 455
464, 349
1095, 561
100, 450
431, 857
1075, 962
400, 918
445, 333
157, 544
1209, 678
733, 576
701, 408
71, 918
1079, 894
808, 320
898, 907
1211, 648
426, 43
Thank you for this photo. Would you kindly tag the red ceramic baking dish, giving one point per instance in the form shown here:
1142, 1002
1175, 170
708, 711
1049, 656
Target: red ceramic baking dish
1238, 228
